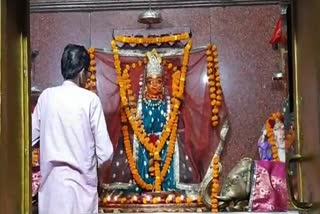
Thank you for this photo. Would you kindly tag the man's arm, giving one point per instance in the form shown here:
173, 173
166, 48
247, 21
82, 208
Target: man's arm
104, 147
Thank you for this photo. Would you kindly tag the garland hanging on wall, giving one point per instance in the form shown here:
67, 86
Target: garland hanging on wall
91, 81
213, 75
215, 90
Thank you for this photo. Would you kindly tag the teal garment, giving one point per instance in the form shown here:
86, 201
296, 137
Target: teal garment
154, 118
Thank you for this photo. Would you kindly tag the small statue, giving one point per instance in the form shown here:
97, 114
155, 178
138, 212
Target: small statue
235, 192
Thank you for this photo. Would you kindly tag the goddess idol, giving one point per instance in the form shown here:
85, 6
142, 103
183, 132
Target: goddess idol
153, 108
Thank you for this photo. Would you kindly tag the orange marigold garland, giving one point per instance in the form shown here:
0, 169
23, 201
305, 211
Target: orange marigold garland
91, 81
215, 183
215, 90
152, 40
129, 109
131, 161
214, 82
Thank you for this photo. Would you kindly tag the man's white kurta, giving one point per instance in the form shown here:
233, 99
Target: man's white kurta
73, 139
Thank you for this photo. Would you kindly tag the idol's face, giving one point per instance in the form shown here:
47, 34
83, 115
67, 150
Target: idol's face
154, 85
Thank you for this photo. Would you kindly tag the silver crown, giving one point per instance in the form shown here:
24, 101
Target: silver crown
154, 67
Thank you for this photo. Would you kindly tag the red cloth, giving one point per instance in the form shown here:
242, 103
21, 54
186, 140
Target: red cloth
277, 34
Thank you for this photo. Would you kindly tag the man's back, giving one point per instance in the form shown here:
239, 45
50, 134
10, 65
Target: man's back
67, 137
73, 138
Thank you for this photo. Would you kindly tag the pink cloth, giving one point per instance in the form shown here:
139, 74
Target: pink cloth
35, 182
269, 190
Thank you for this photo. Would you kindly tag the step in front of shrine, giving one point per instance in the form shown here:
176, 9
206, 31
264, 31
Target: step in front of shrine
289, 212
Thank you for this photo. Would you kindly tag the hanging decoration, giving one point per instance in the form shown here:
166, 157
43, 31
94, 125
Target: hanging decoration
277, 34
215, 184
91, 81
213, 75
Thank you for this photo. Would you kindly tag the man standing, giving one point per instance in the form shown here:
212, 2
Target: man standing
70, 123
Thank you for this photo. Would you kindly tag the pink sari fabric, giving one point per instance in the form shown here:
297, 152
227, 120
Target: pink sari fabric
269, 189
35, 182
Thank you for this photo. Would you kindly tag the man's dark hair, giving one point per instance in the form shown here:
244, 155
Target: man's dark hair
74, 59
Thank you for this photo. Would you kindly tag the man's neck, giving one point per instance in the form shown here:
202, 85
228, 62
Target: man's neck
75, 80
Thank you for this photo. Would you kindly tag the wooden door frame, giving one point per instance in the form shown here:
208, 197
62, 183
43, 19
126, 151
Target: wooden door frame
306, 67
14, 102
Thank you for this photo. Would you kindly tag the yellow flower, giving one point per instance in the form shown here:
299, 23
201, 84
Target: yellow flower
215, 118
105, 200
209, 58
215, 110
212, 89
216, 159
215, 123
178, 200
214, 48
92, 62
92, 69
213, 96
91, 50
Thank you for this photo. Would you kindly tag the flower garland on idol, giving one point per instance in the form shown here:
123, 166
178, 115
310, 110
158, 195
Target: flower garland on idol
129, 110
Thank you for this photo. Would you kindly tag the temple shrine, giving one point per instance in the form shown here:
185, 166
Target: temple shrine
201, 100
